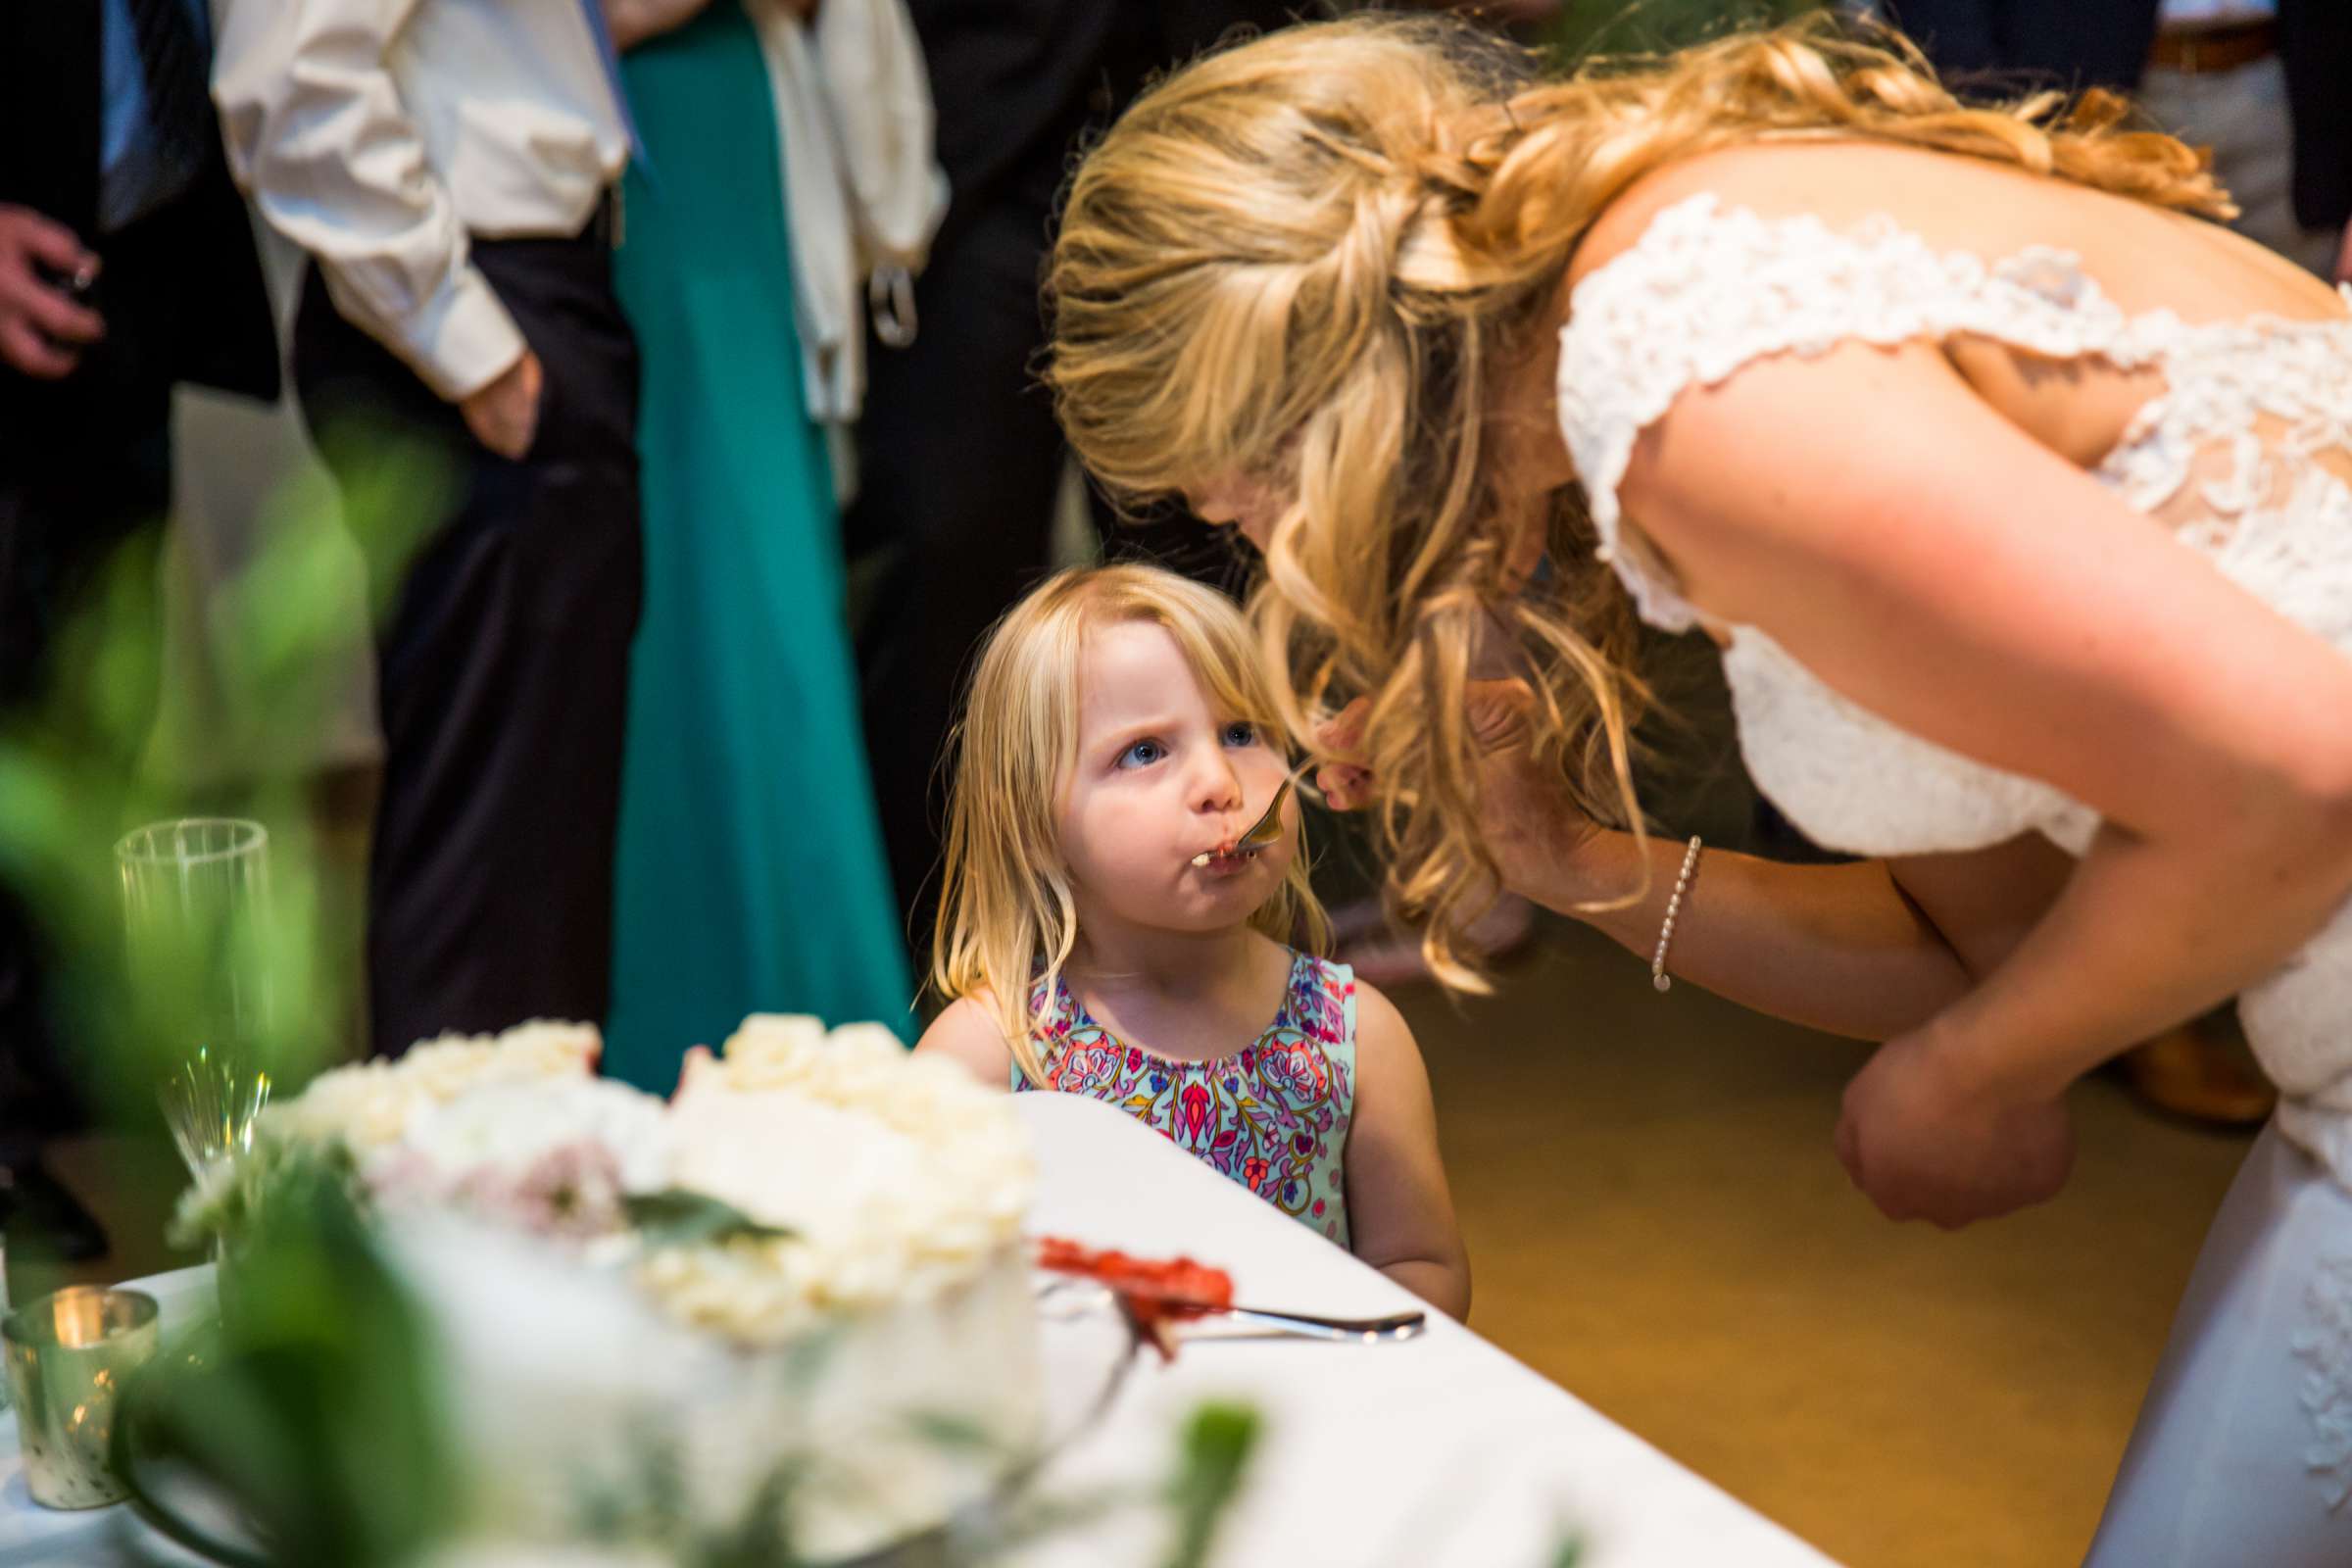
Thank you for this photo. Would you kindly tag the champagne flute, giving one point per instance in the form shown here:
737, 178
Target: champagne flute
195, 897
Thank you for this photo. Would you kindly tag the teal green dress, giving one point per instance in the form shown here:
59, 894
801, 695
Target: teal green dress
750, 875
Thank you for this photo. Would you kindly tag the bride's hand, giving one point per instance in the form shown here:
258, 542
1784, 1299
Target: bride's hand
1924, 1143
1532, 826
1345, 785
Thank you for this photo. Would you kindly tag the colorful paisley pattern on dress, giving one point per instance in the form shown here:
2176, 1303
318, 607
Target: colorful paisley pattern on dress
1273, 1115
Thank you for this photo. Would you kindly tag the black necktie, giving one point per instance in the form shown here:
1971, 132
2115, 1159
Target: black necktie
171, 56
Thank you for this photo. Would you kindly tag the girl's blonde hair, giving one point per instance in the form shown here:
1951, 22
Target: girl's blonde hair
1304, 260
1008, 919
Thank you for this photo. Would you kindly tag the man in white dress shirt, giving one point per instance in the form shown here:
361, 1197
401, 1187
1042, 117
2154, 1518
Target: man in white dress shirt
450, 166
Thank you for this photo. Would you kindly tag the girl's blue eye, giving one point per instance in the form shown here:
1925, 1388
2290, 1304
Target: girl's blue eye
1142, 754
1240, 733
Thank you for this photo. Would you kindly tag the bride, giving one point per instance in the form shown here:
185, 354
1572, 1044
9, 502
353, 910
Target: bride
2014, 494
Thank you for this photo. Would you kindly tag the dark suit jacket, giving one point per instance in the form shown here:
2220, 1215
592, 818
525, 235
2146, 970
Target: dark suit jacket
2106, 42
2314, 39
1018, 83
207, 320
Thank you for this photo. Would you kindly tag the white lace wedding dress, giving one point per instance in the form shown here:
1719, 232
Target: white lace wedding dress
2243, 1451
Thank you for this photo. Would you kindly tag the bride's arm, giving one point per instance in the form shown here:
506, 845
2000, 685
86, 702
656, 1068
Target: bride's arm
1953, 576
1869, 949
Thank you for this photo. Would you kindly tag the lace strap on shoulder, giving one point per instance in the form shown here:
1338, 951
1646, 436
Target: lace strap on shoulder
1707, 289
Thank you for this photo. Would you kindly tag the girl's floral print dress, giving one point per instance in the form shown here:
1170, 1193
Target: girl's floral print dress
1273, 1116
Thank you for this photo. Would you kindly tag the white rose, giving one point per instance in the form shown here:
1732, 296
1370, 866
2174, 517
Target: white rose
503, 1129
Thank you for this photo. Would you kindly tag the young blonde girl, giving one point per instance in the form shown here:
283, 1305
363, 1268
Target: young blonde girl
1101, 933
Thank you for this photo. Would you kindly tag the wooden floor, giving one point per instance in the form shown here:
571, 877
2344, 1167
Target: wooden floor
1655, 1221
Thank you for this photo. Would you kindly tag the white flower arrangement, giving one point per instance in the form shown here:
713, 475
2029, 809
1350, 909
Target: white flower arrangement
801, 1174
911, 1176
365, 1112
556, 1158
368, 1107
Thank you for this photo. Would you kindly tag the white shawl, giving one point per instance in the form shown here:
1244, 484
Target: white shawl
863, 191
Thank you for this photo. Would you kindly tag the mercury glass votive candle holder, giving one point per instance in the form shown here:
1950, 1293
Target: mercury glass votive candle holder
69, 1355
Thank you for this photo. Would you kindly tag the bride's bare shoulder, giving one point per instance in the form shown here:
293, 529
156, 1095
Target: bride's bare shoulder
1620, 226
1841, 182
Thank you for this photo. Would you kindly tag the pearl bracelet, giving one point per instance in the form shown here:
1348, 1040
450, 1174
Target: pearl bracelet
1674, 906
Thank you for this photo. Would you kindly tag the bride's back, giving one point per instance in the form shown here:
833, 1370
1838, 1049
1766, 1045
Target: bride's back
2143, 258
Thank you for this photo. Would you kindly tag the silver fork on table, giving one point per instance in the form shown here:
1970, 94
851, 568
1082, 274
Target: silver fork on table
1068, 1296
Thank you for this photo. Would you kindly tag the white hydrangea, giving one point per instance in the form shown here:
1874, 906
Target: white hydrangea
368, 1105
503, 1129
895, 1176
942, 1192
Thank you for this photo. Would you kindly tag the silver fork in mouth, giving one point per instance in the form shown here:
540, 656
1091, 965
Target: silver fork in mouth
1267, 830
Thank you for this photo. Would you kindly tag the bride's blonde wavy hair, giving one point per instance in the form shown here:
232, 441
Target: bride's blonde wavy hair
1305, 259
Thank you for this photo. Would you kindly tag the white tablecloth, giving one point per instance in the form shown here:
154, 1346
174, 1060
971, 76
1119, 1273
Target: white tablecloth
1439, 1451
1429, 1454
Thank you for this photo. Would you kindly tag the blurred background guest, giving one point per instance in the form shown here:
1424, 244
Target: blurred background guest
448, 165
2261, 83
1578, 28
126, 266
750, 875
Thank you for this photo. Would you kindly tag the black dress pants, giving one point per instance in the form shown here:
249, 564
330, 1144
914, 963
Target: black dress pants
502, 666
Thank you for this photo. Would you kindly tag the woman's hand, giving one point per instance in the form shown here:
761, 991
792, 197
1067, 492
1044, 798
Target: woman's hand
632, 21
1532, 827
1925, 1141
1345, 785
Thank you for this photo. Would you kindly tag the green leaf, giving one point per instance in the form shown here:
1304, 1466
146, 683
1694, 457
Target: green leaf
679, 1217
952, 1431
318, 1419
1217, 1443
763, 1538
